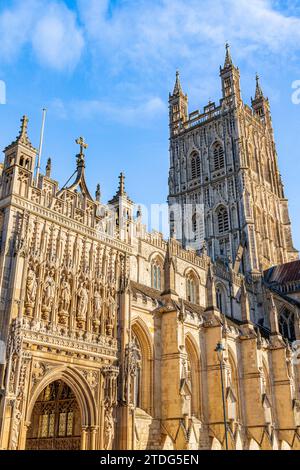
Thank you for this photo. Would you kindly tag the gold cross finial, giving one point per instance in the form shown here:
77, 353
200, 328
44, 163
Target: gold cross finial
83, 145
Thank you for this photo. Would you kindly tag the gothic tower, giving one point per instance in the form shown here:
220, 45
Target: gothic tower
225, 189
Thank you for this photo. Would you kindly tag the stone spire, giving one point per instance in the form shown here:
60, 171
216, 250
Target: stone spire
228, 59
245, 307
177, 88
211, 290
24, 126
48, 168
121, 193
258, 91
23, 138
273, 317
169, 272
98, 193
121, 190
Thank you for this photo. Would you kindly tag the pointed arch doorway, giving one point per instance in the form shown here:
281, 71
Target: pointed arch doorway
55, 421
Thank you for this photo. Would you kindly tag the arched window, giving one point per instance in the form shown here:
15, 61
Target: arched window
233, 405
193, 376
223, 220
218, 157
157, 274
191, 288
140, 363
55, 420
267, 395
137, 378
221, 300
287, 325
195, 166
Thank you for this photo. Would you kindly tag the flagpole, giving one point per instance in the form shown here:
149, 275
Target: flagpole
38, 166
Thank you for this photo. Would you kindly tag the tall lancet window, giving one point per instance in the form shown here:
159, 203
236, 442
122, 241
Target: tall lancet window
223, 220
218, 157
195, 166
157, 274
191, 288
137, 377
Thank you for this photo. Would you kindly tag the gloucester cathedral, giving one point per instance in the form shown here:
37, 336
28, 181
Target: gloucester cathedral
109, 333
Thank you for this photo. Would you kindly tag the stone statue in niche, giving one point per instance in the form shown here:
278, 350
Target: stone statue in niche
97, 303
31, 290
65, 299
111, 312
97, 310
109, 428
48, 295
82, 305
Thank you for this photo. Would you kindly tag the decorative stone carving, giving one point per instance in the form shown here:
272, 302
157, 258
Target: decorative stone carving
82, 305
15, 426
48, 295
109, 428
65, 299
31, 290
131, 364
111, 312
18, 403
110, 374
92, 378
97, 310
38, 371
97, 304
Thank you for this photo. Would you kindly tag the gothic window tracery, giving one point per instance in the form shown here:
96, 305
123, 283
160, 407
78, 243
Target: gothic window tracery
287, 325
138, 374
157, 274
140, 369
193, 377
55, 421
218, 157
221, 299
191, 288
195, 166
223, 220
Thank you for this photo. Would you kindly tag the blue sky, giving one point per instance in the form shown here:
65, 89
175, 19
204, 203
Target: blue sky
103, 69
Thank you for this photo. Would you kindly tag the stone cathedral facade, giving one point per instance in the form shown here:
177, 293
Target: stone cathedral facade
109, 333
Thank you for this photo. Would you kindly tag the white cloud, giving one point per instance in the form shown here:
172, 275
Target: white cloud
48, 26
137, 114
157, 32
143, 33
15, 26
57, 41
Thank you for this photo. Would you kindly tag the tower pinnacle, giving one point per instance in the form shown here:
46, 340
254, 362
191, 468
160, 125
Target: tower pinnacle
228, 59
23, 136
177, 87
258, 91
98, 193
24, 125
121, 190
